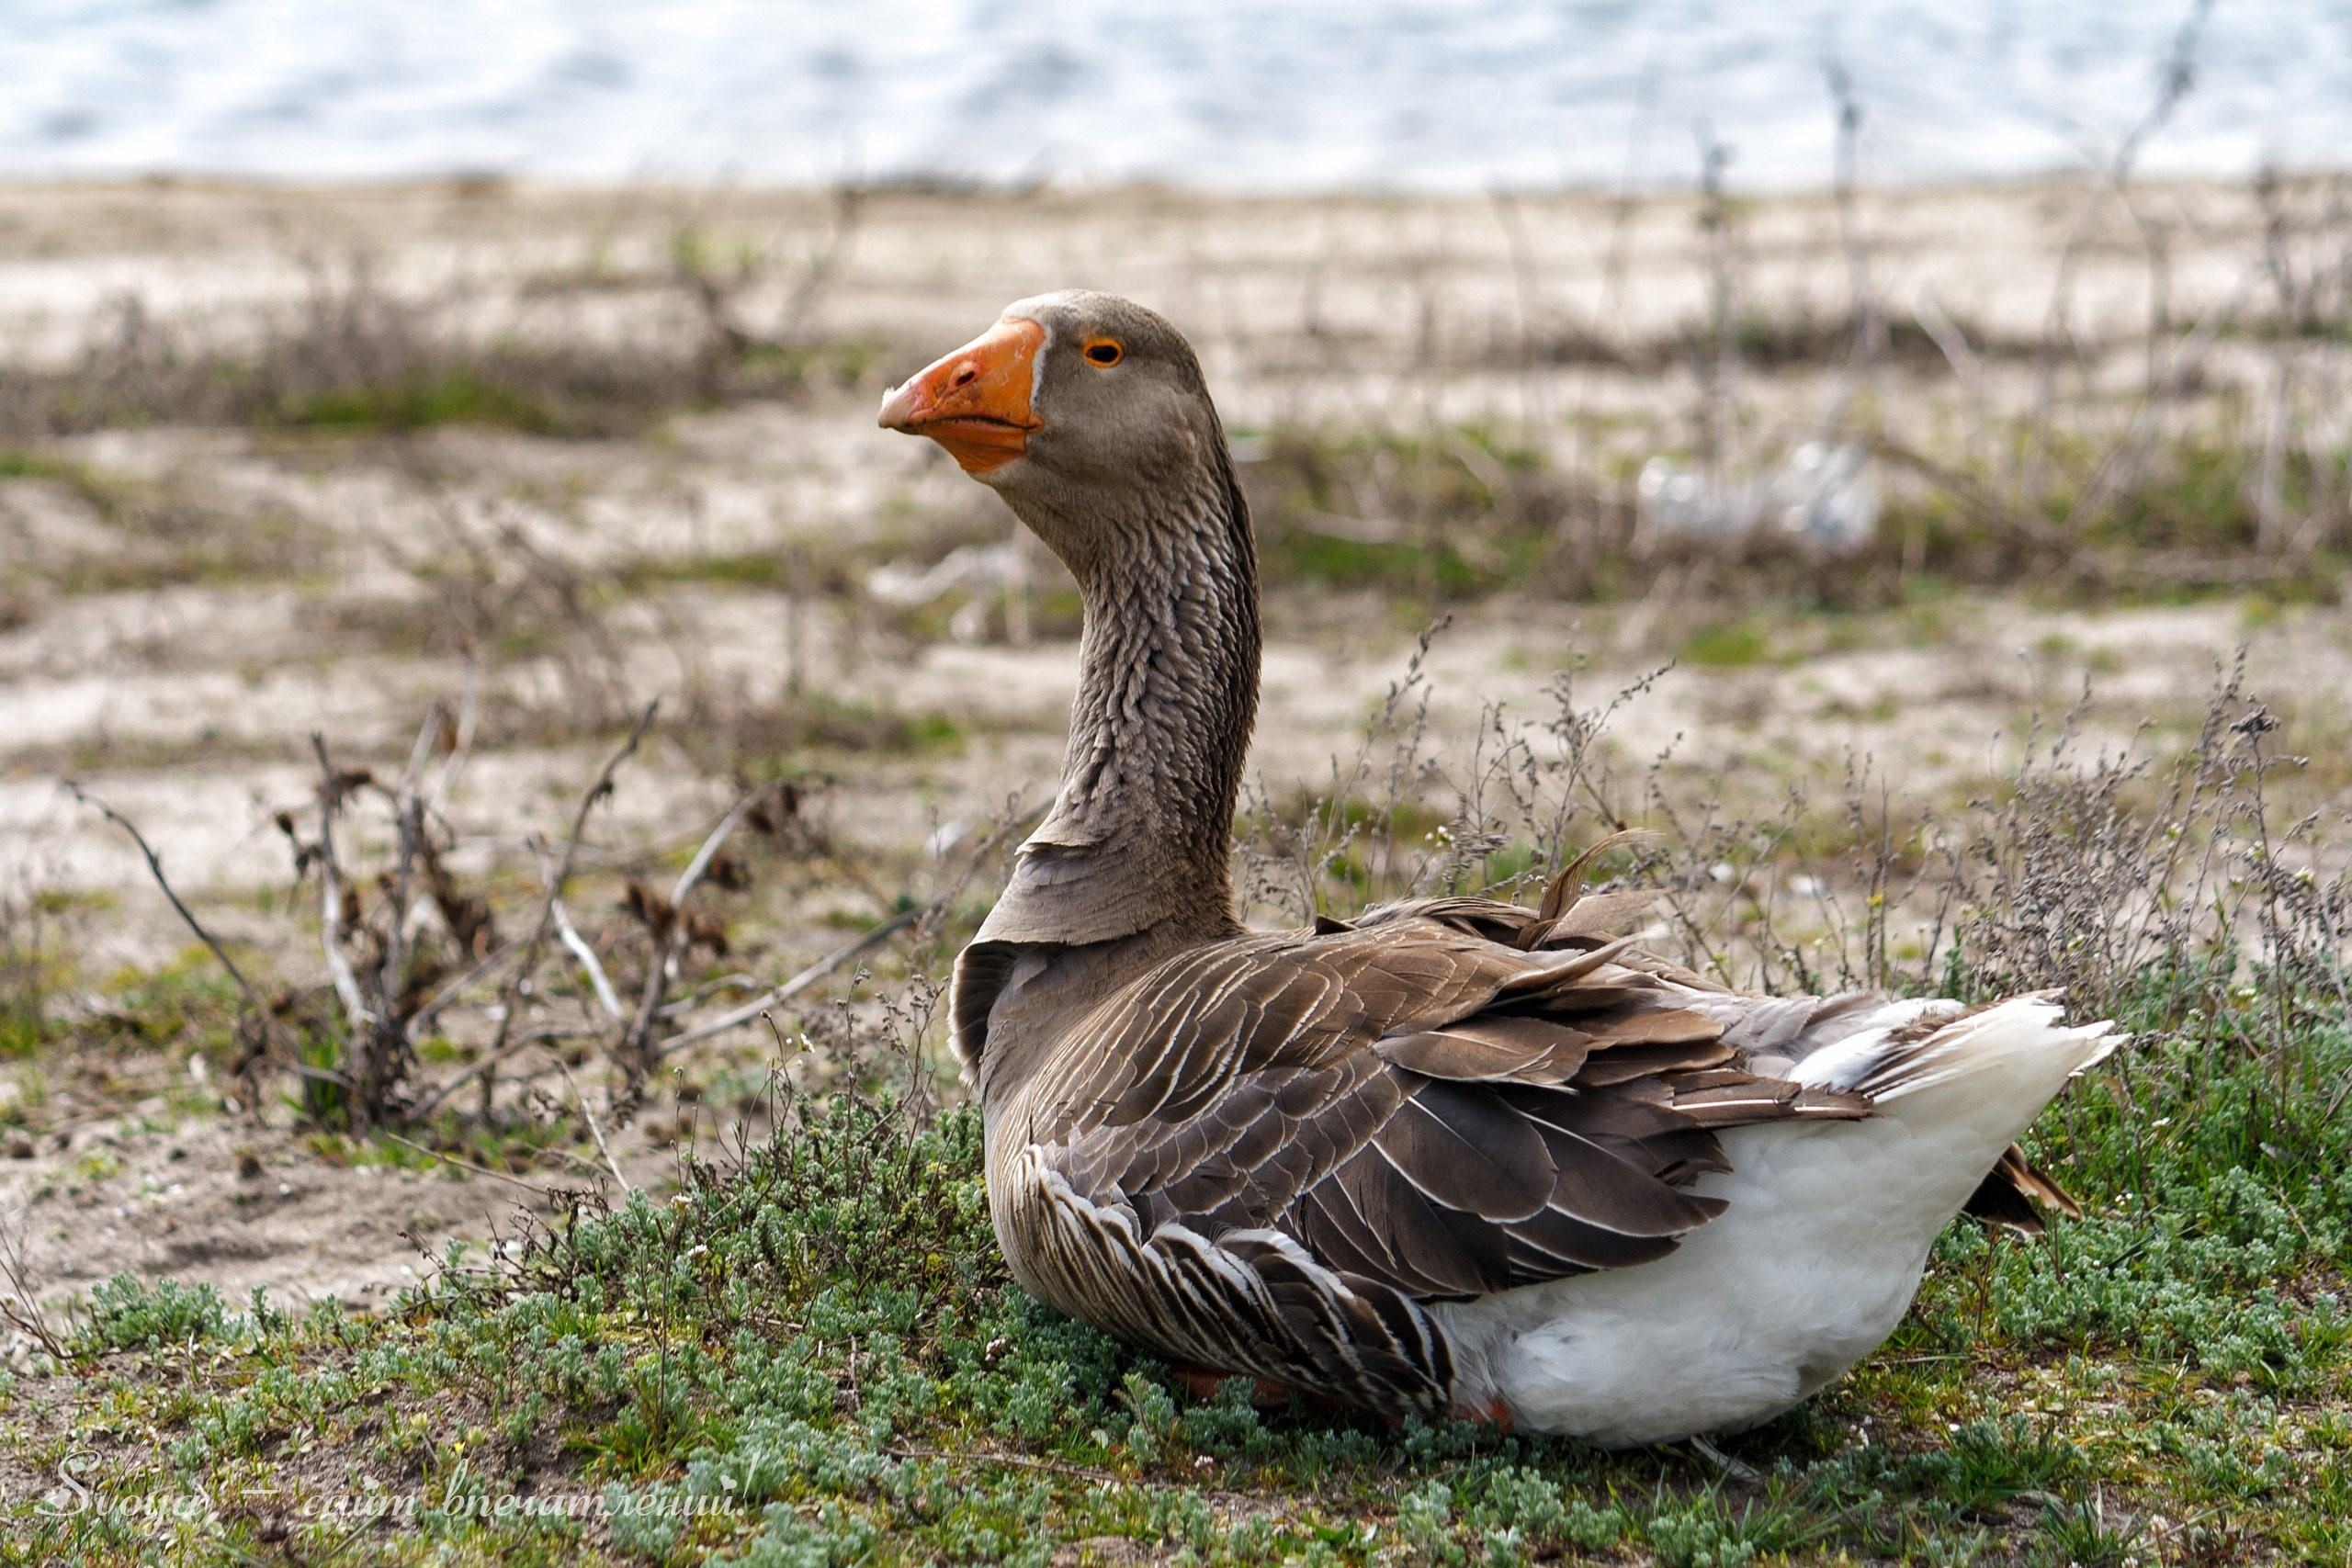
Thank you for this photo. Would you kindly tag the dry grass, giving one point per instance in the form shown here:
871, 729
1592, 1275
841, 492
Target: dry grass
2088, 867
356, 355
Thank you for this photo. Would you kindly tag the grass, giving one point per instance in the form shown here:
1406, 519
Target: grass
762, 569
356, 356
810, 1354
1453, 514
166, 531
17, 463
809, 1350
1728, 645
36, 967
438, 396
778, 740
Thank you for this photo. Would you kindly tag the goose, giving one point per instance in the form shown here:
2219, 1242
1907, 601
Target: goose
1455, 1157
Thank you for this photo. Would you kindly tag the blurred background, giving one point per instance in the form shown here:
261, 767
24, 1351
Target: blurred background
1387, 94
1899, 449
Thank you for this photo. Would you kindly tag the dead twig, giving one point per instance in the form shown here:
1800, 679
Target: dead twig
637, 1051
331, 912
510, 997
257, 1012
376, 1046
735, 1018
450, 1159
594, 1130
422, 1018
24, 1311
576, 944
155, 869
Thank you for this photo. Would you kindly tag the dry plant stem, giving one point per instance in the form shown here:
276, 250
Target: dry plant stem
637, 1051
155, 869
2126, 460
462, 741
1990, 509
534, 945
452, 1160
569, 934
795, 618
24, 1311
409, 824
2180, 75
1609, 305
422, 1017
717, 292
593, 1130
256, 1045
377, 1042
1526, 292
736, 1018
824, 264
573, 941
346, 982
1719, 364
1869, 325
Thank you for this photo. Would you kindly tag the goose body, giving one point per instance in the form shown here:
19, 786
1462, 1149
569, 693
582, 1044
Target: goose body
1457, 1155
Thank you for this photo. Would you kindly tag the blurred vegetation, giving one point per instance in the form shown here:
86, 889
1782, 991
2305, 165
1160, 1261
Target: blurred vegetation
1462, 517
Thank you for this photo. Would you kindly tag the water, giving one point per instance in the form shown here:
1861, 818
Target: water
1381, 93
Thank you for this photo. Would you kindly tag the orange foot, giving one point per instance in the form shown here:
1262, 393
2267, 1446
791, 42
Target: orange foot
1264, 1392
1494, 1413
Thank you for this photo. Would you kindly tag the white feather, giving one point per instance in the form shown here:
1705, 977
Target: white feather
1810, 1267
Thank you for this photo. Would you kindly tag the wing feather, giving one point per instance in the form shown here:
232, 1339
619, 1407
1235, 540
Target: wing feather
1421, 1102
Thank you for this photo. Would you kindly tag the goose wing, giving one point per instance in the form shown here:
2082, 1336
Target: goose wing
1419, 1102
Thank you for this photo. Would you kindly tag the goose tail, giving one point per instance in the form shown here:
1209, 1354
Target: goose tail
1988, 1070
1815, 1256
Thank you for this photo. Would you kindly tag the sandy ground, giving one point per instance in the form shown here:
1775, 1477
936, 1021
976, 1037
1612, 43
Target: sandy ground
188, 703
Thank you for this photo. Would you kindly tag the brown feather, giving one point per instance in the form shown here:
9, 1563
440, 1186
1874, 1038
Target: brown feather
2012, 1192
1521, 1049
1652, 1026
1468, 1151
1609, 1066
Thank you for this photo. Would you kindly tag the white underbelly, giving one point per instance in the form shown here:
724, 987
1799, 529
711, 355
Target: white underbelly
1807, 1271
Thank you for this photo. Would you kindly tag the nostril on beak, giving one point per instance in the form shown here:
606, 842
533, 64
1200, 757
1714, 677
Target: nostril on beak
966, 374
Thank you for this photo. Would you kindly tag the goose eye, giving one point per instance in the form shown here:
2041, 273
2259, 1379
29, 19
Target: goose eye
1104, 352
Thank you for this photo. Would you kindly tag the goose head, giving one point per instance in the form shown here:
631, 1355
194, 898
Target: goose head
1086, 413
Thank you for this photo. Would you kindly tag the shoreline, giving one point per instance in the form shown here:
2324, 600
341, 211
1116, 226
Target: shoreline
2057, 175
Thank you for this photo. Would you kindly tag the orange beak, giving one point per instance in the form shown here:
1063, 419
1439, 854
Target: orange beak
974, 402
